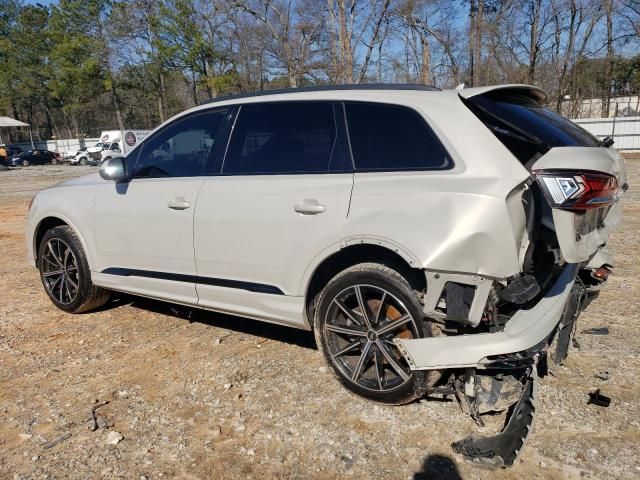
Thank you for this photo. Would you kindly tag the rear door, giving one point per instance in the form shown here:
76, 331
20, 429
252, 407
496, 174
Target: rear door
282, 197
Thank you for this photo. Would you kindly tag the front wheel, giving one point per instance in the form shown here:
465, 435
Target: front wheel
83, 161
65, 273
360, 312
25, 163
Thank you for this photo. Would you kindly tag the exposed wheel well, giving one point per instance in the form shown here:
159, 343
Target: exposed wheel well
44, 226
354, 255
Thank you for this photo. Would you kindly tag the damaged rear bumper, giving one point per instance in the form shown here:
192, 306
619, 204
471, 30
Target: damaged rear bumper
525, 330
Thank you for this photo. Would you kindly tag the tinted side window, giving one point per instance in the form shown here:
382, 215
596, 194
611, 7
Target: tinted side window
182, 148
293, 137
389, 137
526, 128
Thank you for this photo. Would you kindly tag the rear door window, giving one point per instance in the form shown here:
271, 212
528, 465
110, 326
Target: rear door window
389, 137
285, 138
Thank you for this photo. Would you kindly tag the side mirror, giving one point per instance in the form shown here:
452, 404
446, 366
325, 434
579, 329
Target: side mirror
113, 169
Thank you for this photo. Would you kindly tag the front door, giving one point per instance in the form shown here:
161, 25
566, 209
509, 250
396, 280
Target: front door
144, 227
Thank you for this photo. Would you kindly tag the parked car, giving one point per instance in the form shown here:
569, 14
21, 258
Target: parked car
13, 151
69, 155
34, 157
78, 157
434, 241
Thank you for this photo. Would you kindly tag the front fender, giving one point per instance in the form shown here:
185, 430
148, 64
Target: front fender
76, 210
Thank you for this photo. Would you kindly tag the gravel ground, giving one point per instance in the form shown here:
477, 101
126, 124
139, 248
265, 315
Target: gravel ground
221, 397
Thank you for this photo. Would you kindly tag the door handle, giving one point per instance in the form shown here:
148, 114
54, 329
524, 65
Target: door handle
309, 206
178, 203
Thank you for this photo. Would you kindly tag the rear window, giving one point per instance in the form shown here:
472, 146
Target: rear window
390, 137
526, 128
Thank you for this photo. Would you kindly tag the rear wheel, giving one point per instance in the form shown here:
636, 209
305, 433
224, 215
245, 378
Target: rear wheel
65, 273
360, 312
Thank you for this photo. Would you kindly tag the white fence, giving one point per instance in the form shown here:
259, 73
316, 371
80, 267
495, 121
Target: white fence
62, 146
625, 131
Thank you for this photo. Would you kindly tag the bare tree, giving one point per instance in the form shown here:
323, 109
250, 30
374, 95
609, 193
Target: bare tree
355, 31
574, 22
295, 28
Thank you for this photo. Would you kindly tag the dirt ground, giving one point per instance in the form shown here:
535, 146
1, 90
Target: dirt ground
222, 397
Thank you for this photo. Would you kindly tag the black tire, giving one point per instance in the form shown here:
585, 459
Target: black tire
83, 161
25, 163
379, 287
63, 268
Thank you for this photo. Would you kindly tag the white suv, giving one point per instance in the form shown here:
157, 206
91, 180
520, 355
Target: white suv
434, 241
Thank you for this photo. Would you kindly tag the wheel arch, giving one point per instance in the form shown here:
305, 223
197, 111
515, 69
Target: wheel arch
354, 254
50, 221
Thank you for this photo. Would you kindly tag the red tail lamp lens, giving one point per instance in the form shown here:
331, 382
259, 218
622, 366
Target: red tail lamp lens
583, 191
601, 273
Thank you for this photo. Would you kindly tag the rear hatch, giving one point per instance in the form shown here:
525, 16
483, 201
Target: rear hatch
579, 177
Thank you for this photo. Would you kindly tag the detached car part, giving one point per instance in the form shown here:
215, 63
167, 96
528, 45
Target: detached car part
503, 449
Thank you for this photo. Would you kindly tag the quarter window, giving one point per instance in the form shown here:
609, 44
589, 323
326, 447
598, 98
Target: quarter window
183, 148
390, 137
279, 138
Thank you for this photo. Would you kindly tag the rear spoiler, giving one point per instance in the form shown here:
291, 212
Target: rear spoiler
530, 91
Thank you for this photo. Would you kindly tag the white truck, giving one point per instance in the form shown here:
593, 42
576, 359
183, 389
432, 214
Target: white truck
113, 143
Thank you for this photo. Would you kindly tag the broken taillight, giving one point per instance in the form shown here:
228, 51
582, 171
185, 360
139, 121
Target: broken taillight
582, 191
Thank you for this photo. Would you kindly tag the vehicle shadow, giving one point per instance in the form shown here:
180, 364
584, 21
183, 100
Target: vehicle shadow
232, 323
438, 467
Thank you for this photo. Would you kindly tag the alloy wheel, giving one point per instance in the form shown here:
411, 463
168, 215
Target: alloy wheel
59, 269
360, 326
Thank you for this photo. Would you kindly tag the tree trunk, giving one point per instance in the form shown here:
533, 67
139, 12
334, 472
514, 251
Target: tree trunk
207, 79
567, 57
425, 67
472, 42
608, 66
478, 44
49, 120
345, 58
161, 99
533, 40
116, 105
293, 80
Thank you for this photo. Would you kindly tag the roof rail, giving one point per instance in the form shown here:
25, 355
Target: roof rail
325, 88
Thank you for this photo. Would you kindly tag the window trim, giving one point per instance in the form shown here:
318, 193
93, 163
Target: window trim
211, 160
340, 137
450, 164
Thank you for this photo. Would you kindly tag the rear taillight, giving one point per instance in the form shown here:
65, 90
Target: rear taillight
582, 191
601, 273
